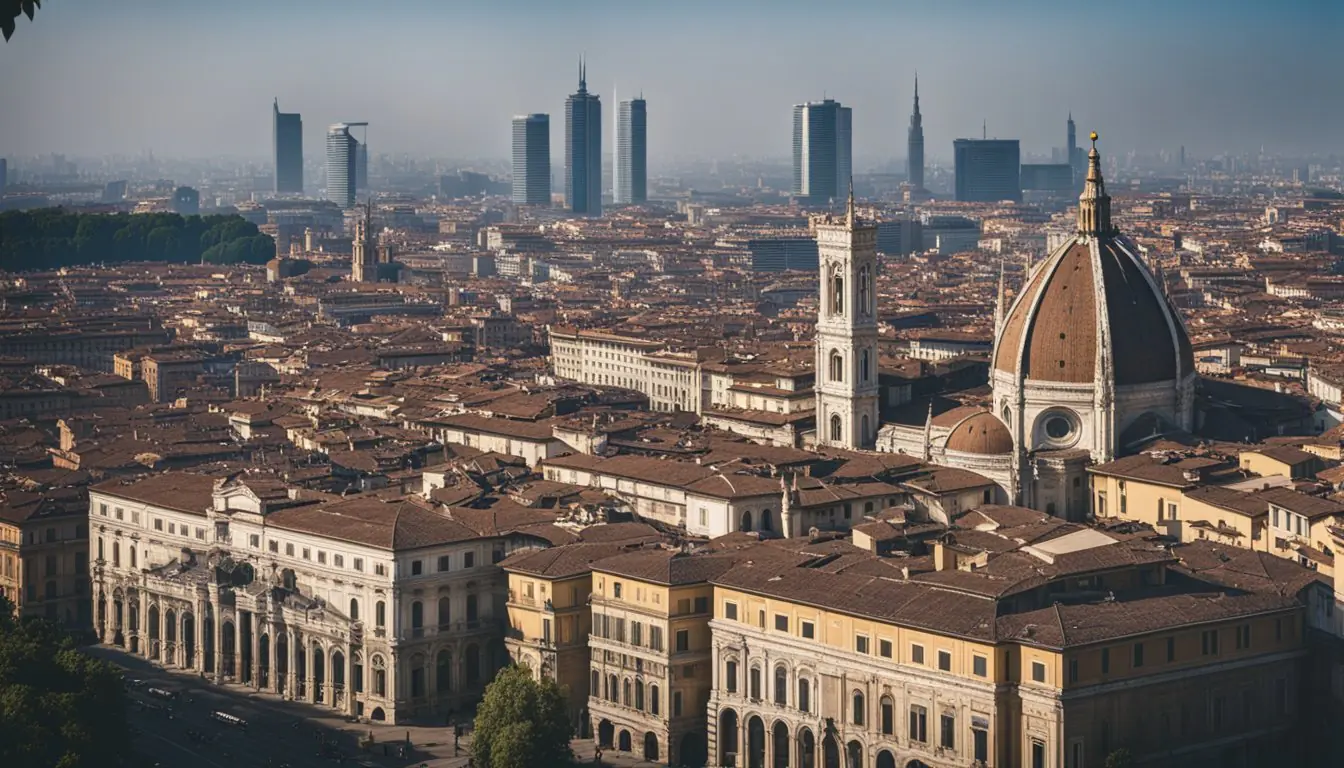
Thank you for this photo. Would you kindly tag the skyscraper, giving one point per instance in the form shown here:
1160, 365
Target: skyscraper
4, 172
914, 145
583, 149
361, 165
341, 165
532, 159
1077, 158
988, 170
630, 185
287, 141
822, 151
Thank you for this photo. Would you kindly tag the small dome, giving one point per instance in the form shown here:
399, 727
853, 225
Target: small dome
980, 433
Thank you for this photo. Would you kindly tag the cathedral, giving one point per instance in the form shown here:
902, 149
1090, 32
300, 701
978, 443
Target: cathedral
1089, 358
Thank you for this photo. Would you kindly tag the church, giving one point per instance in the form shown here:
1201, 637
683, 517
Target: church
1089, 358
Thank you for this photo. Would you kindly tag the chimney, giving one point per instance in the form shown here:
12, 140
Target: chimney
944, 558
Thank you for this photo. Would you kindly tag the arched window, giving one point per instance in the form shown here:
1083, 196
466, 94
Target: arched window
865, 301
592, 684
837, 295
417, 615
654, 706
354, 609
639, 695
755, 686
746, 521
613, 689
835, 428
380, 614
625, 689
766, 523
863, 366
781, 685
837, 366
804, 695
445, 612
857, 718
888, 715
379, 675
730, 676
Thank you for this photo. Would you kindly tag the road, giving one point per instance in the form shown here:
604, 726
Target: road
182, 732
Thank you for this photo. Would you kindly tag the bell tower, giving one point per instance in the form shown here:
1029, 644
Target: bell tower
846, 342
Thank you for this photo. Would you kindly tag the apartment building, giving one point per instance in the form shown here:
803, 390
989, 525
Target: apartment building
44, 556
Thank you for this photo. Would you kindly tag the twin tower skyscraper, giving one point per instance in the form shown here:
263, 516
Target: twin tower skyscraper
583, 153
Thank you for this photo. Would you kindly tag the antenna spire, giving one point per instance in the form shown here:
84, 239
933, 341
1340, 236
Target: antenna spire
849, 208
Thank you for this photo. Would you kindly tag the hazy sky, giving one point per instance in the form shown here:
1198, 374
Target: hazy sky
441, 77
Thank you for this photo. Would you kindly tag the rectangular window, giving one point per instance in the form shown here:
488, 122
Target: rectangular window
730, 676
321, 557
980, 666
636, 633
338, 561
947, 731
1105, 661
1278, 630
1138, 654
702, 605
417, 567
656, 638
760, 618
616, 589
102, 510
781, 623
1037, 672
445, 563
704, 518
676, 703
1243, 637
1209, 642
158, 524
620, 630
917, 654
919, 724
359, 564
289, 550
273, 545
980, 737
1076, 754
379, 569
730, 611
945, 661
1171, 649
307, 554
884, 648
200, 534
860, 643
808, 629
469, 560
1037, 754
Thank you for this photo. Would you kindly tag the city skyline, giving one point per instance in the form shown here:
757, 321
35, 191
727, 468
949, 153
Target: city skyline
1152, 93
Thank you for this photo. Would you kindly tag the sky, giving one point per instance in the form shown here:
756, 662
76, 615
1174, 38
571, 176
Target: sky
442, 78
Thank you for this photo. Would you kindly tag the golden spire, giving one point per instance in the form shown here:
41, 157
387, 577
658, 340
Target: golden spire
1094, 205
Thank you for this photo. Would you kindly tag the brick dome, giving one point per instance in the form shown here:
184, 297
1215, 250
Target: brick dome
980, 433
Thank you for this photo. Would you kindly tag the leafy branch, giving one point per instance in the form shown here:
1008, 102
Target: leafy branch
9, 14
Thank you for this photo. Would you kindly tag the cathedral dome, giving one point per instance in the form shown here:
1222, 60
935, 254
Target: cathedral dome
1093, 311
980, 433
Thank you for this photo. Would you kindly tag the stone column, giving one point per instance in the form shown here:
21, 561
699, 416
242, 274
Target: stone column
310, 682
349, 680
254, 621
198, 635
142, 626
217, 630
238, 618
291, 672
273, 683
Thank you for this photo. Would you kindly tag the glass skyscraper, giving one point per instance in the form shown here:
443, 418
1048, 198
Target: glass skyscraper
630, 179
988, 170
583, 150
532, 159
287, 141
823, 142
341, 165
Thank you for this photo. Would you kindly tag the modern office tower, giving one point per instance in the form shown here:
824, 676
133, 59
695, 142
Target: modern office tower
630, 179
1077, 158
186, 201
914, 145
341, 165
987, 170
1053, 178
4, 172
583, 149
114, 191
822, 151
532, 159
361, 165
287, 140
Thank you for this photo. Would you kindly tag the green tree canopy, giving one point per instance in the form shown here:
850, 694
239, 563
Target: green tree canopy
50, 238
58, 707
521, 723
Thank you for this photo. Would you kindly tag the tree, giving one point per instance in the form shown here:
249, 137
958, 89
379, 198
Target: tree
1120, 758
521, 723
9, 14
58, 707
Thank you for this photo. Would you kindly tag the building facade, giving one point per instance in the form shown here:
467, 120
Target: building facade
631, 170
583, 150
373, 611
532, 159
914, 145
987, 170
